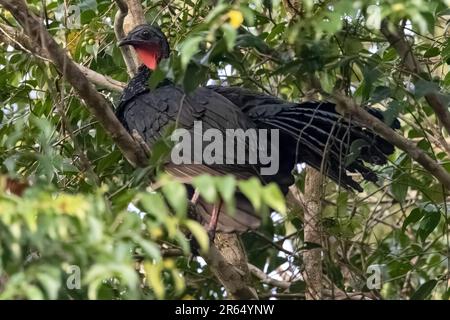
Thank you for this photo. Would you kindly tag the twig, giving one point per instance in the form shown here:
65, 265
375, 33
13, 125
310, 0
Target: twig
266, 279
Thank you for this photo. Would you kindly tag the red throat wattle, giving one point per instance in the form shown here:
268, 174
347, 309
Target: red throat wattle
148, 56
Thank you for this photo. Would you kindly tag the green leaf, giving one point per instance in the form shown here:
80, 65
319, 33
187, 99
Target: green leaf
150, 249
199, 233
154, 204
229, 33
342, 204
432, 52
415, 215
248, 40
156, 77
399, 187
154, 278
50, 284
178, 281
429, 222
215, 12
249, 14
205, 185
227, 187
447, 79
274, 198
195, 74
252, 189
176, 195
373, 17
424, 290
188, 48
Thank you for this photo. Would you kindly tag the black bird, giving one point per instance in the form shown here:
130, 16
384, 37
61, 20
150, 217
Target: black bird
311, 132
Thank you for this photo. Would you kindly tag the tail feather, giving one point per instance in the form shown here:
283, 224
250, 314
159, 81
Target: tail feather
325, 139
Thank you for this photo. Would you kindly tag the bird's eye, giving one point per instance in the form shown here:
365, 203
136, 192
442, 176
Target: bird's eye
146, 34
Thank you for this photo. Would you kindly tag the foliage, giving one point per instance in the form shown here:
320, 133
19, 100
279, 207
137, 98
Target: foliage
78, 211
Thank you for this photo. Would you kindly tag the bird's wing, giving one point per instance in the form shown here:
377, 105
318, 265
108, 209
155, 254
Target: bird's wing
244, 98
151, 112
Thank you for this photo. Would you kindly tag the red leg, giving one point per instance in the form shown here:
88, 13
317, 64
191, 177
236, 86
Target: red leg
214, 219
195, 196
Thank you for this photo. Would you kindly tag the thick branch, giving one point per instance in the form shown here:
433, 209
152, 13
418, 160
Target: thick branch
228, 262
396, 38
15, 38
95, 102
136, 11
128, 55
362, 116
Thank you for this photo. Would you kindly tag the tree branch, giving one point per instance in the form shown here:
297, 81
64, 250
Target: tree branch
128, 55
136, 11
17, 39
312, 258
266, 279
228, 261
397, 40
363, 117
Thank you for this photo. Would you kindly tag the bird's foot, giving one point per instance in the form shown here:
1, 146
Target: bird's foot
212, 234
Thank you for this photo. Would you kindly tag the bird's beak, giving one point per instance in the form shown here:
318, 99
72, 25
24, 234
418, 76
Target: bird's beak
135, 41
130, 40
126, 41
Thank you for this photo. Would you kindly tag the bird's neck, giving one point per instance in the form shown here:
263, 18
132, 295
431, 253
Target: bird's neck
142, 76
137, 85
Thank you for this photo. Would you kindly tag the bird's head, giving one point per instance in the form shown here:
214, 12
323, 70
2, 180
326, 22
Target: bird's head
150, 44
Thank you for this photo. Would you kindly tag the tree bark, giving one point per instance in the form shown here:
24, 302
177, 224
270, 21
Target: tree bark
232, 271
312, 258
129, 56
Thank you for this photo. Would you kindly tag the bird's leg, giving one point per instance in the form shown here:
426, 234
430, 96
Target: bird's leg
195, 196
195, 248
212, 226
